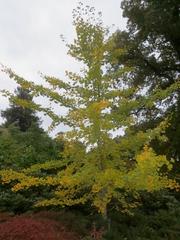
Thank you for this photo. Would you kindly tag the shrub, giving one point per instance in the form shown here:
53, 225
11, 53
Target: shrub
30, 228
90, 227
14, 202
158, 218
74, 221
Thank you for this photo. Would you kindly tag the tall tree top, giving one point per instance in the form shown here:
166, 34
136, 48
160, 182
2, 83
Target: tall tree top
18, 115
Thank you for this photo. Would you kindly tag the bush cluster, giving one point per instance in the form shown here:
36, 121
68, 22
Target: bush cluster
29, 228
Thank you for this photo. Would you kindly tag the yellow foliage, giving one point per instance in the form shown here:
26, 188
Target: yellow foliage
8, 176
103, 185
96, 167
147, 173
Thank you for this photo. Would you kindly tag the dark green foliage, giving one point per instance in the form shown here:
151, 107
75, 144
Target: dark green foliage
19, 150
75, 221
153, 53
158, 218
13, 202
22, 141
22, 149
21, 117
155, 20
153, 39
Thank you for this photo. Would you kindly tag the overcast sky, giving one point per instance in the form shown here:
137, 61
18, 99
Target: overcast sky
30, 36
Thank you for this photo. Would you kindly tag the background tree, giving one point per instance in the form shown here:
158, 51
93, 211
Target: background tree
153, 53
18, 115
23, 141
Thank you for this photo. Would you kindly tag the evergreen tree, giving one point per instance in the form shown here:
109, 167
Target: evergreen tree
22, 141
20, 116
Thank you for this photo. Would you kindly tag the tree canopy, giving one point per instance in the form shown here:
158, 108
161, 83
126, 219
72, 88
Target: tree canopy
96, 168
152, 51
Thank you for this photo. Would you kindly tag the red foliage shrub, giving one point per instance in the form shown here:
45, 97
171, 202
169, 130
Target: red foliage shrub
28, 228
67, 222
44, 225
19, 228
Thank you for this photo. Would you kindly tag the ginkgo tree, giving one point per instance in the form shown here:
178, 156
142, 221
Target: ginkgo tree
97, 167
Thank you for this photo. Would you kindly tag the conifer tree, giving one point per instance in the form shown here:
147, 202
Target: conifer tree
21, 117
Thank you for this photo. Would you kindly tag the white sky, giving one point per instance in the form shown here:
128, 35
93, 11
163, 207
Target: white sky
30, 37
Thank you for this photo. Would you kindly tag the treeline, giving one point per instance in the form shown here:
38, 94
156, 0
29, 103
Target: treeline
129, 184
